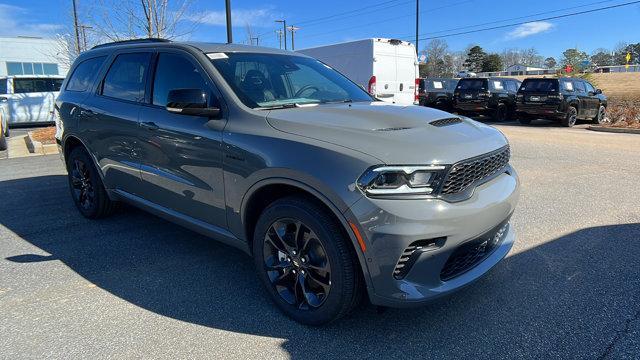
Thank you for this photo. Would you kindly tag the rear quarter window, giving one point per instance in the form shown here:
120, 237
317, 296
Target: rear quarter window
84, 74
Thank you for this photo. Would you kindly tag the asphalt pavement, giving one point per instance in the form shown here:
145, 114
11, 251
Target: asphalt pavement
136, 286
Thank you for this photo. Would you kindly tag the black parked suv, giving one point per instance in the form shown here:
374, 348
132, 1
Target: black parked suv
279, 155
564, 99
494, 97
437, 92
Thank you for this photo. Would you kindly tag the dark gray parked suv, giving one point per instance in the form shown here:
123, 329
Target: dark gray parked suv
335, 195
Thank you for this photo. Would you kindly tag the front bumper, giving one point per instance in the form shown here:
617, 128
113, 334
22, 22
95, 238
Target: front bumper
389, 227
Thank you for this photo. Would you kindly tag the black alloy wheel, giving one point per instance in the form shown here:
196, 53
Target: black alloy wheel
86, 186
297, 264
81, 185
571, 117
601, 117
306, 261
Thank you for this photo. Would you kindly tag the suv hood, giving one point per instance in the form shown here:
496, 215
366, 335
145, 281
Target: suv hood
394, 134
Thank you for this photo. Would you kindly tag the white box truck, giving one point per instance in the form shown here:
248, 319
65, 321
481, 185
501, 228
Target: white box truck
387, 68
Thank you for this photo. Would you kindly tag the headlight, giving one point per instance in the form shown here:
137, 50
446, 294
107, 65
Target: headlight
401, 181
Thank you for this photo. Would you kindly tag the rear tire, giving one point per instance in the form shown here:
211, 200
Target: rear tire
572, 116
524, 120
3, 141
306, 262
87, 190
601, 116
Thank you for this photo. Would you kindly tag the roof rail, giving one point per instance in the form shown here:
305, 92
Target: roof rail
132, 41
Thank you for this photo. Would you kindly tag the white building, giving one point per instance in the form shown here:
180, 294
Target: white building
32, 56
519, 70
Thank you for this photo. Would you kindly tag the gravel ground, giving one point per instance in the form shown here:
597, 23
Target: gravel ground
135, 286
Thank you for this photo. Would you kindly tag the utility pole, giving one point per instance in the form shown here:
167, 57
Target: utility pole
284, 28
279, 34
229, 31
75, 26
84, 35
293, 29
417, 23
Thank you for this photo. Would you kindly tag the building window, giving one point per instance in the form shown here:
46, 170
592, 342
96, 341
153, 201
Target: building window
29, 68
14, 68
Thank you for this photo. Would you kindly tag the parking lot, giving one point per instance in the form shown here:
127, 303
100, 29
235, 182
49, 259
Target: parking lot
135, 286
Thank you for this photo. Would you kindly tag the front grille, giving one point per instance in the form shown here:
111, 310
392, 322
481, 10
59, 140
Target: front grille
445, 122
472, 253
467, 172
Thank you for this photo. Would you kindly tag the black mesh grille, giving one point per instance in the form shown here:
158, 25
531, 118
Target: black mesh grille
467, 172
472, 253
445, 122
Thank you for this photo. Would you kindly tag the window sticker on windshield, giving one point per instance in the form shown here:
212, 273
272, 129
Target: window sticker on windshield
497, 84
437, 84
567, 85
216, 56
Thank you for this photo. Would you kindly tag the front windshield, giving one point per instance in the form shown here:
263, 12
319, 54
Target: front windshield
273, 80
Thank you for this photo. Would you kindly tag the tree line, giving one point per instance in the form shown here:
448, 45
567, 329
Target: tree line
441, 62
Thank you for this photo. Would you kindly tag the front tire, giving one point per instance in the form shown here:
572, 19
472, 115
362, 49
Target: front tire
601, 116
306, 262
86, 186
571, 117
500, 113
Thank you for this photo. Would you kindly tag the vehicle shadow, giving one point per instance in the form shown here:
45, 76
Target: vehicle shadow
566, 298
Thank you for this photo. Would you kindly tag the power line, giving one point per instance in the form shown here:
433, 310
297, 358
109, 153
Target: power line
329, 17
367, 10
387, 20
508, 19
530, 21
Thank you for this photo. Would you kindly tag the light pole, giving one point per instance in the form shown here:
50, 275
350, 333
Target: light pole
284, 28
293, 29
229, 31
279, 34
417, 22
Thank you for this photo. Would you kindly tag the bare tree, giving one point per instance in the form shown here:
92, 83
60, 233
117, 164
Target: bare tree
115, 20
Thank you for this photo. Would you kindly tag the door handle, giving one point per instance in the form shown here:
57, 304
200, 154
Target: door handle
150, 125
86, 113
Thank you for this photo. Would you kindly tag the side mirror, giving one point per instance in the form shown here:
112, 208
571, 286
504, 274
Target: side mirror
190, 102
598, 91
3, 99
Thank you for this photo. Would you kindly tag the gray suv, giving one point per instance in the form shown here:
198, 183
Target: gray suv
335, 195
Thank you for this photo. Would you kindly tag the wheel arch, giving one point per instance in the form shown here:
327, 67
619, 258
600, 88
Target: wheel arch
264, 192
71, 142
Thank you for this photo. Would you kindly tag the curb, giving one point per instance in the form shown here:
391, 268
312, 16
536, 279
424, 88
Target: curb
36, 147
614, 130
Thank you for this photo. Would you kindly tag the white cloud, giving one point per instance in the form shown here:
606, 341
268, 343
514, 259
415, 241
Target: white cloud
531, 28
14, 21
255, 17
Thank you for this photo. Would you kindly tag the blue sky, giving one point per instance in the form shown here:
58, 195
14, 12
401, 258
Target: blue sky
394, 19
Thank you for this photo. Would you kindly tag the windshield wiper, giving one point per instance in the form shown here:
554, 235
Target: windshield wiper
279, 106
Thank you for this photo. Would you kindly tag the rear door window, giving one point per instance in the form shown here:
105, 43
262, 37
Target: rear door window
3, 86
497, 85
36, 85
579, 86
567, 86
84, 74
126, 77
